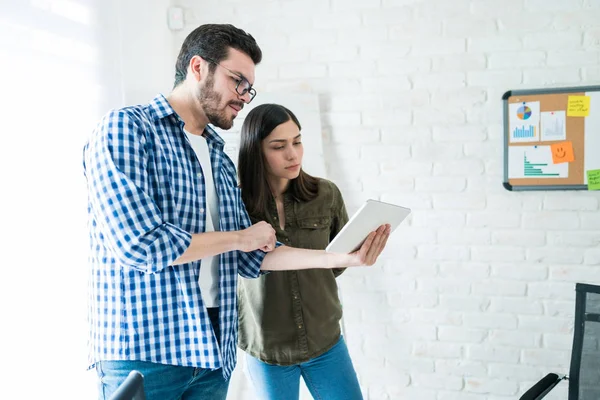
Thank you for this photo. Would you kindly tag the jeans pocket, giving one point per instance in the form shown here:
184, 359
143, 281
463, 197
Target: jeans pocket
101, 385
99, 370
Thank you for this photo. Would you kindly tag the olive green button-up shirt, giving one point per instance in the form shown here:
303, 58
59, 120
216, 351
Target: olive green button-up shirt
288, 317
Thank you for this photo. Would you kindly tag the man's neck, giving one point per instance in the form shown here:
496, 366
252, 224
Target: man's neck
189, 110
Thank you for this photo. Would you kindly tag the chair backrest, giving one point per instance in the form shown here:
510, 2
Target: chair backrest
132, 388
584, 373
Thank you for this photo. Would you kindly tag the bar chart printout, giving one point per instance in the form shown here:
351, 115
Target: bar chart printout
524, 132
533, 169
535, 162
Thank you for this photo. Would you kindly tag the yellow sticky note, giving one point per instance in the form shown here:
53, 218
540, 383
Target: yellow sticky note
562, 152
578, 106
593, 179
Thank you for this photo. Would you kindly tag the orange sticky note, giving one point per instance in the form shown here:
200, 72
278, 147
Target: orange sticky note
562, 152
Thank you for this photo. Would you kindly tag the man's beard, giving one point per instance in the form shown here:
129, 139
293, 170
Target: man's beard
210, 101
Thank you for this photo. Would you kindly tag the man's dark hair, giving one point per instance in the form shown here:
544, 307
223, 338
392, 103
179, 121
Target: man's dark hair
213, 41
252, 169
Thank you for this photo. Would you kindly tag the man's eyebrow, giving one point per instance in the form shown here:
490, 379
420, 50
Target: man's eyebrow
240, 75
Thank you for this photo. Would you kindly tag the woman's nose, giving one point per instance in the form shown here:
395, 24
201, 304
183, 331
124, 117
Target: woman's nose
291, 153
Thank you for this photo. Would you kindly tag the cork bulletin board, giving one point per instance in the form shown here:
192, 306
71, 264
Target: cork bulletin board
552, 139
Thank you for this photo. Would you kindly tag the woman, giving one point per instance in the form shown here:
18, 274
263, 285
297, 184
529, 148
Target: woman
289, 320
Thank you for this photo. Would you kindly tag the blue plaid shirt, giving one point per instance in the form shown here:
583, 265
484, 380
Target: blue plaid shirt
146, 196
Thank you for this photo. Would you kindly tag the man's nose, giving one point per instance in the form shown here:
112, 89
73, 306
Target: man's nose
246, 98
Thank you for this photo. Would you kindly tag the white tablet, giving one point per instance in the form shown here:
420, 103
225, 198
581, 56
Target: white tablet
368, 218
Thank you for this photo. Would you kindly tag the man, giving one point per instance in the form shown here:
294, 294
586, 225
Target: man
169, 232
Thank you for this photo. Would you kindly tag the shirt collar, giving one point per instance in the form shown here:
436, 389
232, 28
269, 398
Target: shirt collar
212, 136
160, 108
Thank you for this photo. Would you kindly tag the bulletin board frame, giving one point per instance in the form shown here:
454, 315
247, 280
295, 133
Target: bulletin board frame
553, 104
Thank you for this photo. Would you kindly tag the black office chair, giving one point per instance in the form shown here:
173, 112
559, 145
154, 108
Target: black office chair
132, 388
584, 372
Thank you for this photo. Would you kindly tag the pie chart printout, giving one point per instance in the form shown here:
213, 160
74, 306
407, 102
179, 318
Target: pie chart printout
524, 112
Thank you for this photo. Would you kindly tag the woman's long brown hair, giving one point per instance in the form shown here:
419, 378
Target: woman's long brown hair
252, 171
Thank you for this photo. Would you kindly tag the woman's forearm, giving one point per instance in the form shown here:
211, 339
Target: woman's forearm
285, 258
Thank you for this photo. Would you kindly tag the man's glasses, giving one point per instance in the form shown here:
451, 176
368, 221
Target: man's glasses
243, 86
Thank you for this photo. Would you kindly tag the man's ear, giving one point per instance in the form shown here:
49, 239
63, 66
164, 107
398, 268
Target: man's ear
197, 68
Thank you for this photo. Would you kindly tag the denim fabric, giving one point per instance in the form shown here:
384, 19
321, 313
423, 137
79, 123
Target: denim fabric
163, 382
331, 376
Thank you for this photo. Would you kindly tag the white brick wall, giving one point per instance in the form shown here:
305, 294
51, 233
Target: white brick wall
474, 297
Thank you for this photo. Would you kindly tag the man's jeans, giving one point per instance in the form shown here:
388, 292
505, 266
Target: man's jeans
163, 382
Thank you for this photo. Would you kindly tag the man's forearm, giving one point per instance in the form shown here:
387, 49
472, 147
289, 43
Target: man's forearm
209, 244
286, 258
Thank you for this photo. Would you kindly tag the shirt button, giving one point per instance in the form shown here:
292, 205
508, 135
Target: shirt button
201, 210
199, 175
314, 224
299, 326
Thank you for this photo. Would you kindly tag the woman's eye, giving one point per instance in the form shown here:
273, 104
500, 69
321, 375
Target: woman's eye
297, 143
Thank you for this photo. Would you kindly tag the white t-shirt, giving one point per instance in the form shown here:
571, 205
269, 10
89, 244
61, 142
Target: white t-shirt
209, 266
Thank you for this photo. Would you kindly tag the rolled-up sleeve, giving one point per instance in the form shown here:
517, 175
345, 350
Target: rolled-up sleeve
116, 167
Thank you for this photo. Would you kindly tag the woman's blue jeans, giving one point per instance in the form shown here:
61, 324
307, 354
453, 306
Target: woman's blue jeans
330, 376
163, 382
